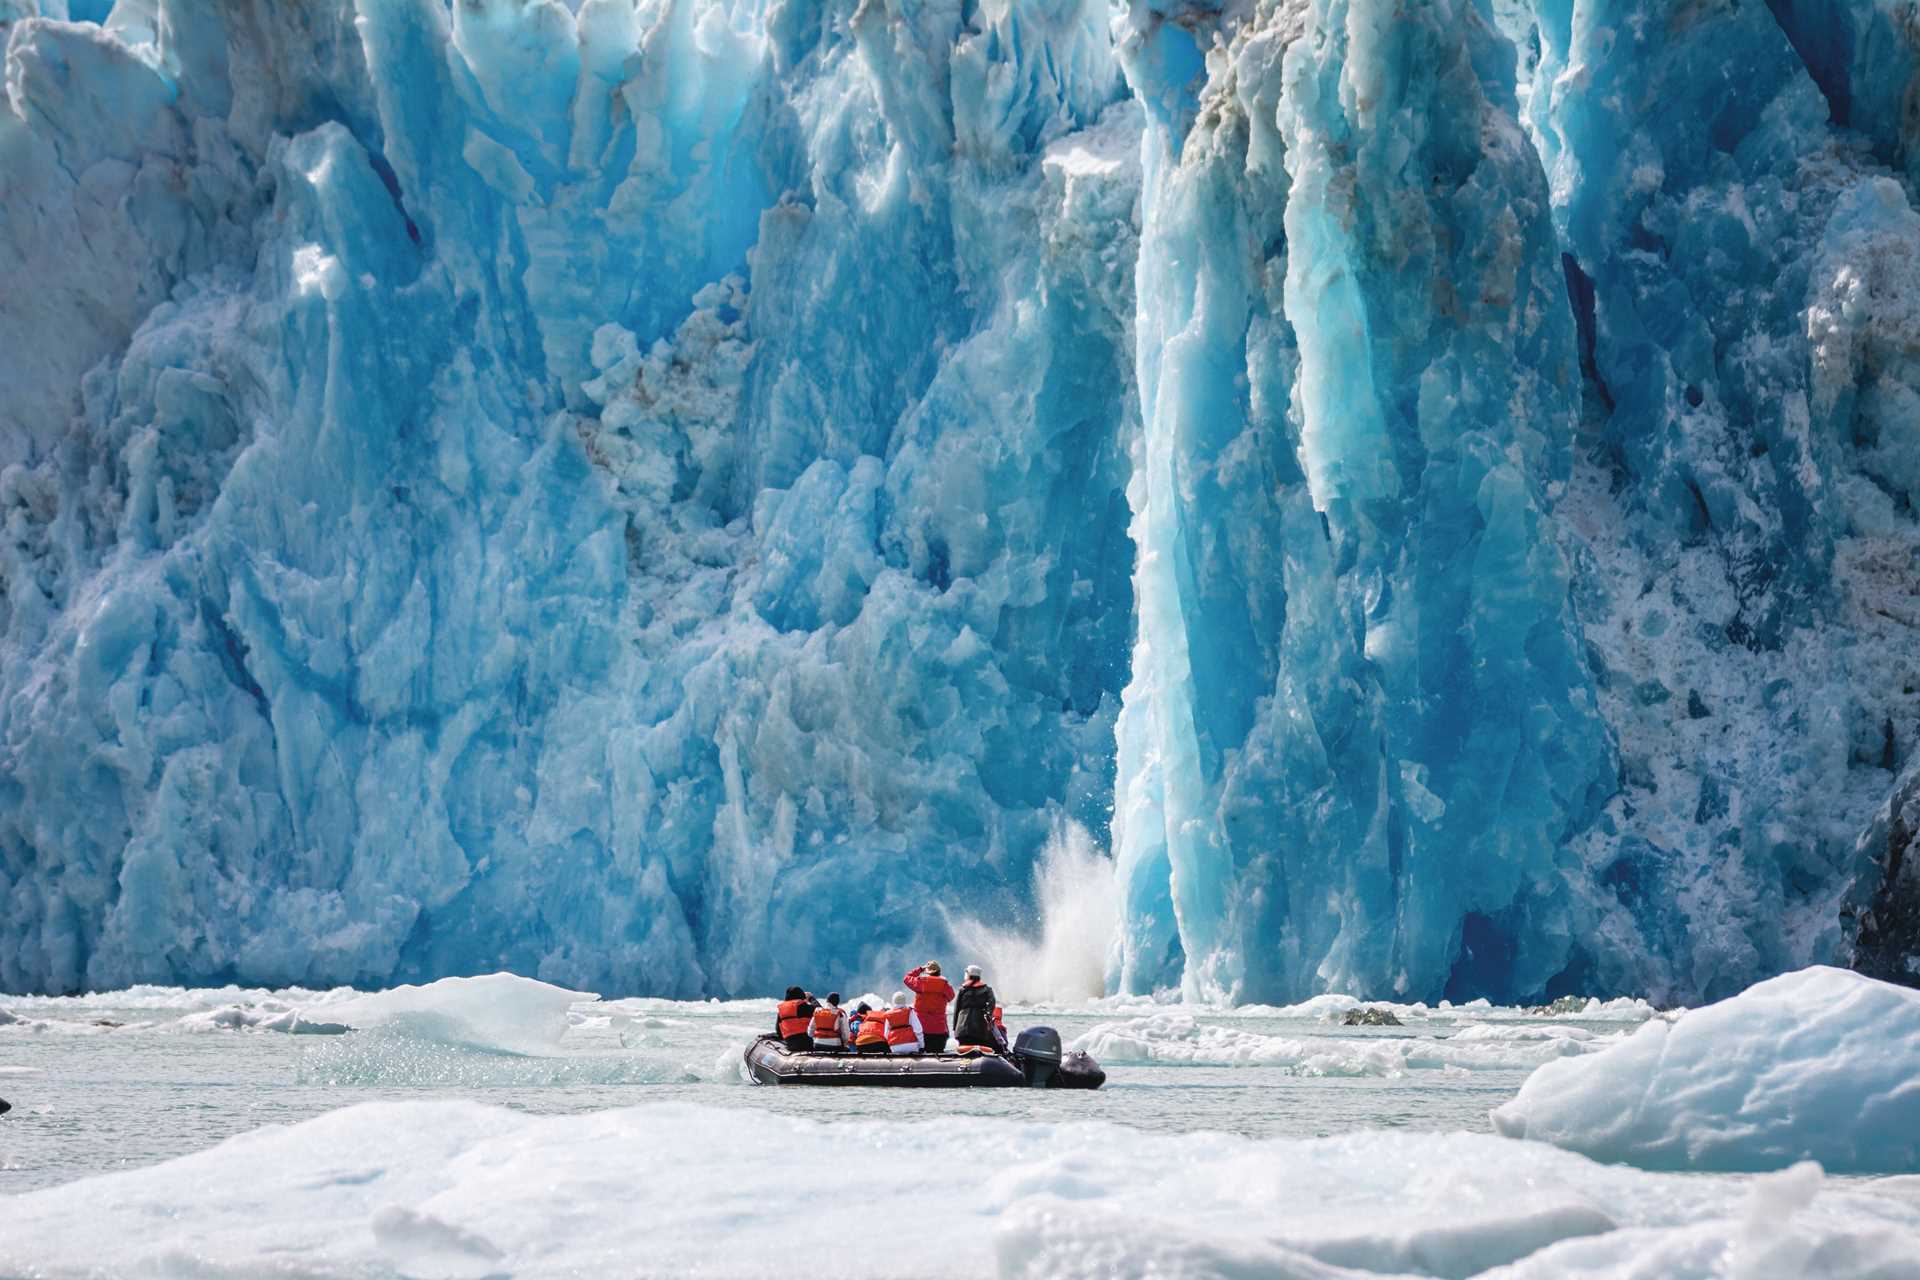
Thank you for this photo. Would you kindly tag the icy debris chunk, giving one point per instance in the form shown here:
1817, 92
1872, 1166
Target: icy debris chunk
1180, 1038
497, 1011
1814, 1065
240, 1017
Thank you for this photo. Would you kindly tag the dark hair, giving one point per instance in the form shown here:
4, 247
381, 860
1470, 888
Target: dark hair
796, 993
833, 998
863, 1007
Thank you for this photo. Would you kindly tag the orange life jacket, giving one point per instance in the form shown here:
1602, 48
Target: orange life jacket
792, 1021
873, 1029
826, 1024
900, 1027
999, 1022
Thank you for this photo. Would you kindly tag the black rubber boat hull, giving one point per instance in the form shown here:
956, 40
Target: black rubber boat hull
771, 1062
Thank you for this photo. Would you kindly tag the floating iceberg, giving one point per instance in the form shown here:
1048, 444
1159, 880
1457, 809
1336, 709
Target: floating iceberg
446, 1189
1815, 1065
240, 1017
498, 1011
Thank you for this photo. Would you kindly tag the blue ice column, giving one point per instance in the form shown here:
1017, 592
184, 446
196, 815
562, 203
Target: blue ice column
1437, 389
1358, 730
1215, 485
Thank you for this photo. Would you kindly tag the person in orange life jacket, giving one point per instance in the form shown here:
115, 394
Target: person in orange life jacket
830, 1026
931, 992
872, 1035
1000, 1026
793, 1020
903, 1027
973, 1010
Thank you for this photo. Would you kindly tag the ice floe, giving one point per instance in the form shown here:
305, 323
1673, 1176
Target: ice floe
1821, 1064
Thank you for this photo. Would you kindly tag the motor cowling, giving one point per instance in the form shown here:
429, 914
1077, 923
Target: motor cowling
1038, 1052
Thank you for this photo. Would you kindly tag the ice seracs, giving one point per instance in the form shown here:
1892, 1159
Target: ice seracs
1814, 1065
561, 487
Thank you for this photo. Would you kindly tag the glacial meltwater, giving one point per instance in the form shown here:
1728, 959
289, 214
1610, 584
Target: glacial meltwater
130, 1078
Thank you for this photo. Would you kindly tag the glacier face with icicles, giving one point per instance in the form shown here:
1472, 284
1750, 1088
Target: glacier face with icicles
689, 495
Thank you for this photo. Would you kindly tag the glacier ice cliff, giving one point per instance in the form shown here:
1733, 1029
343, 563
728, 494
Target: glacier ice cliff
663, 495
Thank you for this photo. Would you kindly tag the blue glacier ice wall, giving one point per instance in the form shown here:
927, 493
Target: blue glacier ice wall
509, 487
1615, 719
1746, 516
669, 494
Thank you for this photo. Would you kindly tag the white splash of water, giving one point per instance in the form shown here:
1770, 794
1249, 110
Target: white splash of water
1079, 918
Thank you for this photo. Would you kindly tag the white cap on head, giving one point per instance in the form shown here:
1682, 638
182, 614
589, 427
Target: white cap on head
973, 971
899, 999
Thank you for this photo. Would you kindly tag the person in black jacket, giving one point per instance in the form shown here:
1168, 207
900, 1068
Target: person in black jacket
973, 1013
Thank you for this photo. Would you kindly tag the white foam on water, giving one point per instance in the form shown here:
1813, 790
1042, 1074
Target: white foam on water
1062, 956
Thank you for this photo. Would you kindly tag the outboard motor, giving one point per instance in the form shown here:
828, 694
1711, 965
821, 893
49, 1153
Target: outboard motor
1038, 1051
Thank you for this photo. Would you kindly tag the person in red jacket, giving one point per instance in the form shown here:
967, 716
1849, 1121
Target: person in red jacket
931, 993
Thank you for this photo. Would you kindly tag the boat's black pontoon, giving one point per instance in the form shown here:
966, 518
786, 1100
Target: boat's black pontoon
1036, 1062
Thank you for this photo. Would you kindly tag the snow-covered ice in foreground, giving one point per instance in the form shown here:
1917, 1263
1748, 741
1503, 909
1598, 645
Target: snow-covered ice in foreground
1821, 1064
450, 1189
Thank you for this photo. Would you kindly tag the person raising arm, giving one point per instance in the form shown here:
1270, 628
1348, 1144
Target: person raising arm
931, 993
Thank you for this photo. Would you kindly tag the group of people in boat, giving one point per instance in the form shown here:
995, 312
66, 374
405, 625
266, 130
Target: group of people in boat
915, 1023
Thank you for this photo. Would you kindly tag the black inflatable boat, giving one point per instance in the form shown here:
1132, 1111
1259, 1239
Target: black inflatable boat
1035, 1063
